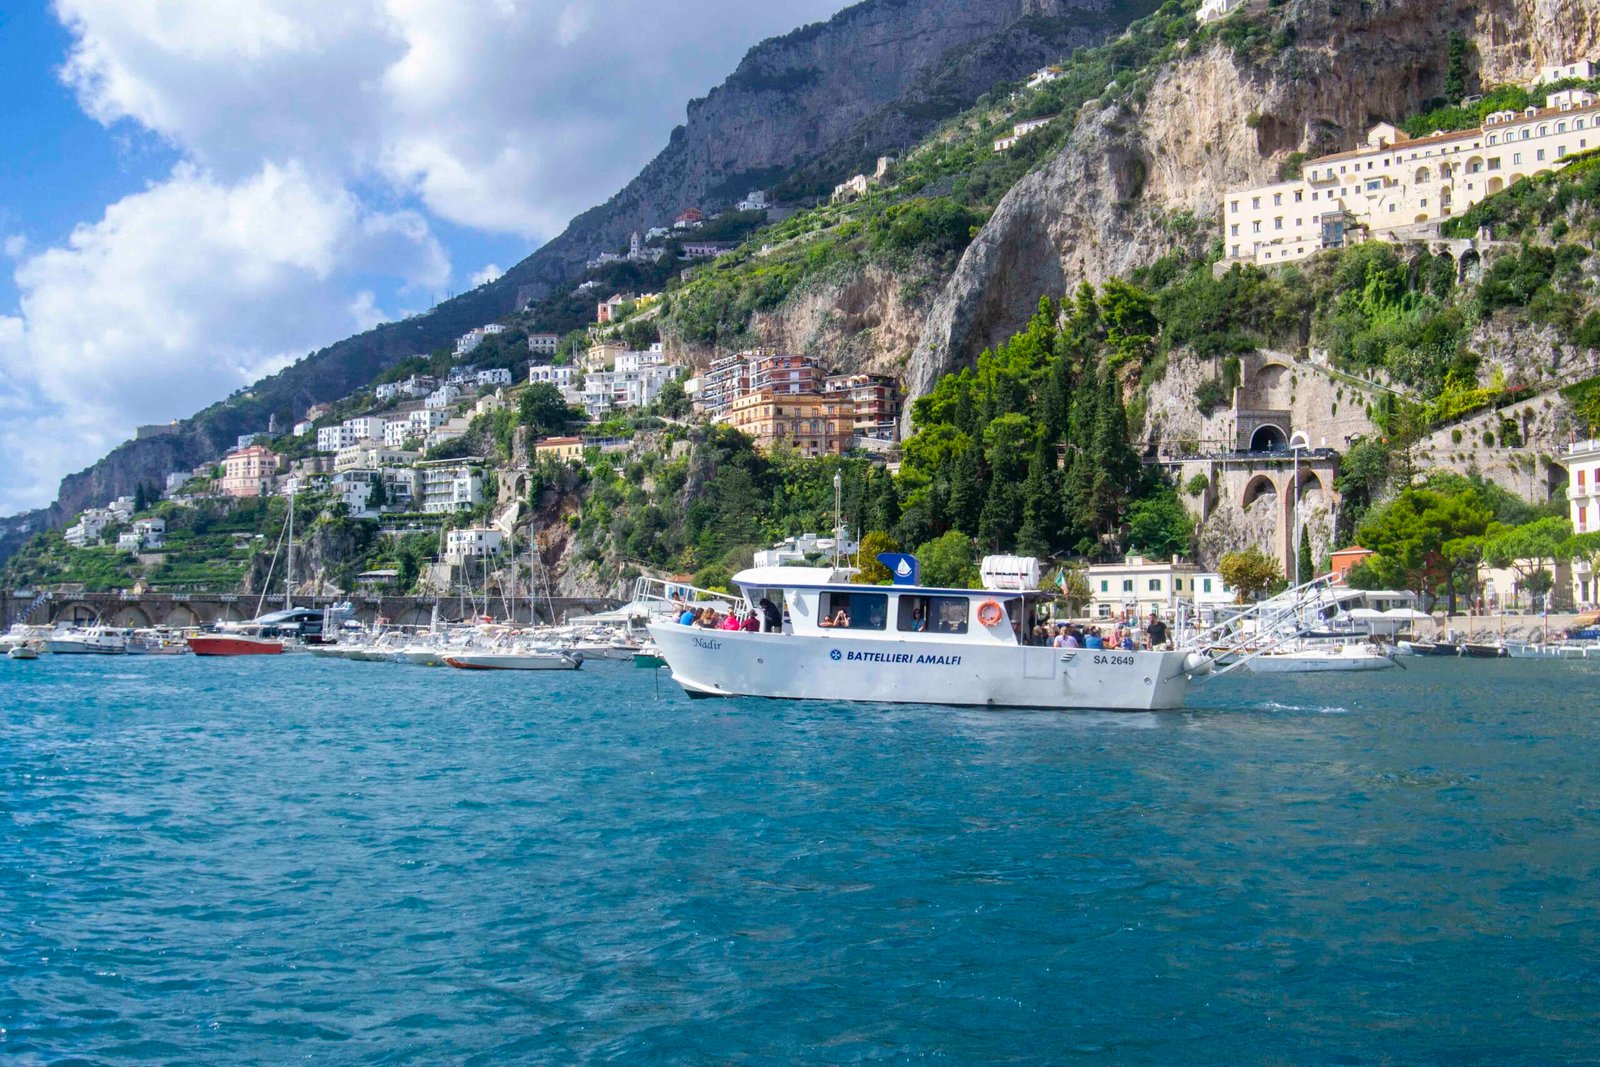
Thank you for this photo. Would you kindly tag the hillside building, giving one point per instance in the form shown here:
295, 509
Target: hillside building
474, 542
248, 472
814, 424
559, 448
1582, 460
874, 401
543, 345
449, 486
1021, 130
1137, 586
1394, 182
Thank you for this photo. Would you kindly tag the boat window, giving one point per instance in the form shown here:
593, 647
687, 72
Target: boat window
862, 611
933, 614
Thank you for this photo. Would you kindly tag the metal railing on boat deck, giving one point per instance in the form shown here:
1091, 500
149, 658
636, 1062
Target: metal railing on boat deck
663, 591
1266, 625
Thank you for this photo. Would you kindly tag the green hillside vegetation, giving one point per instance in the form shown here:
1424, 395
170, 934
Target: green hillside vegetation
937, 197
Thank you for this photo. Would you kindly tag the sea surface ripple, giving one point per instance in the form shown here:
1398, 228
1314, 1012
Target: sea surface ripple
297, 859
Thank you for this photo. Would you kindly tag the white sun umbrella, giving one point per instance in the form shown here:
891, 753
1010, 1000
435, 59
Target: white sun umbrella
1366, 615
1407, 615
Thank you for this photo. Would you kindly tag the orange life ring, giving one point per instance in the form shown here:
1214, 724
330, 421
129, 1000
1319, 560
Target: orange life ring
990, 613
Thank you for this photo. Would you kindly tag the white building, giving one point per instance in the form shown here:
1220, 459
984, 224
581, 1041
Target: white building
473, 338
473, 542
87, 529
1555, 72
1394, 181
754, 200
448, 487
442, 397
493, 376
413, 387
177, 480
128, 541
1021, 130
1582, 461
301, 428
333, 438
456, 427
1215, 9
488, 405
1044, 76
543, 345
369, 454
121, 508
560, 377
152, 532
365, 428
1137, 586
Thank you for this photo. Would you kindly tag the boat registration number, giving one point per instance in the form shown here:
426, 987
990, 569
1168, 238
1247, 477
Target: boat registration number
1113, 661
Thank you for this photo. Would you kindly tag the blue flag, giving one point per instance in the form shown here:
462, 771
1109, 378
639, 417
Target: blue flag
903, 567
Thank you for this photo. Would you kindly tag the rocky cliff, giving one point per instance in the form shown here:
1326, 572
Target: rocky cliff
1221, 116
828, 98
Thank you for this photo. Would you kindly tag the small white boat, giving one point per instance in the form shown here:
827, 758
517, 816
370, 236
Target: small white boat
1309, 659
93, 641
22, 652
1553, 650
532, 660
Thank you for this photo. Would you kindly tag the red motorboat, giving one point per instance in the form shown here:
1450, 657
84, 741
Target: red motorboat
235, 644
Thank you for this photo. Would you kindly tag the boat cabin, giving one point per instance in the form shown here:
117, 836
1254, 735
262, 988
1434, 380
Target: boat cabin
819, 602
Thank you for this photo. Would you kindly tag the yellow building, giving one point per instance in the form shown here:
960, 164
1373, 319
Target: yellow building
1394, 181
814, 424
561, 448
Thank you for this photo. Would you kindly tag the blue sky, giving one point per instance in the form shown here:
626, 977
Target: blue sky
195, 192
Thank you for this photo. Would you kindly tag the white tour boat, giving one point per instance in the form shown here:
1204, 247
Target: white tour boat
1311, 658
907, 643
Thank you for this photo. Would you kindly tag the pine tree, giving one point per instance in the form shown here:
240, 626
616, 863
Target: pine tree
1041, 503
885, 503
966, 495
1305, 569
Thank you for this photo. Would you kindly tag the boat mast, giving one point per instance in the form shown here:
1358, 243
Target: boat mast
288, 569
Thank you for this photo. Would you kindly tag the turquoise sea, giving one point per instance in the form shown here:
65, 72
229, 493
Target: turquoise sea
300, 860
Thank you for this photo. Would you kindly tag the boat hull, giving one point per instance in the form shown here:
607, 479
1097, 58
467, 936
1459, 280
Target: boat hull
1296, 664
234, 645
739, 663
495, 661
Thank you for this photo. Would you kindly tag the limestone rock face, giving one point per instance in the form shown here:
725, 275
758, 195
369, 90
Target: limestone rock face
1213, 121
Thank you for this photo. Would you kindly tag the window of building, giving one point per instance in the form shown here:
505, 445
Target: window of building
1525, 134
1544, 131
1255, 201
1105, 586
1255, 227
1277, 223
865, 611
1127, 585
933, 614
1374, 186
1277, 199
1177, 585
1233, 230
1299, 195
1155, 585
1235, 206
1206, 583
1516, 158
1539, 154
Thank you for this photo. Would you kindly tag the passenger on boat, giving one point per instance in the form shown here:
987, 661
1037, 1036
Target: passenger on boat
688, 618
730, 623
918, 623
751, 623
708, 619
1094, 640
840, 620
771, 620
1157, 631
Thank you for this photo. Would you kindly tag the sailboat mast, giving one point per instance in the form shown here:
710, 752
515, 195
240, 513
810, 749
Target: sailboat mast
288, 570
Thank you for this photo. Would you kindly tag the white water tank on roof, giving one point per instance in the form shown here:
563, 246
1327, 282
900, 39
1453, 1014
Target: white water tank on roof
1010, 573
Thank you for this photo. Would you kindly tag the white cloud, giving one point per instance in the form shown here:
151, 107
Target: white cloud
14, 246
508, 117
488, 274
178, 295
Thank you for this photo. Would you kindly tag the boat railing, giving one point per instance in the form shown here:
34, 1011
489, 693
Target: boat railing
665, 592
1266, 625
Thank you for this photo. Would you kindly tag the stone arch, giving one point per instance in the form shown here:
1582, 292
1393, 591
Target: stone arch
1422, 216
1515, 178
1271, 387
1475, 165
1470, 267
1299, 439
1268, 438
181, 615
1542, 173
1424, 175
75, 613
1258, 487
130, 615
1311, 487
231, 613
1446, 198
414, 616
1496, 185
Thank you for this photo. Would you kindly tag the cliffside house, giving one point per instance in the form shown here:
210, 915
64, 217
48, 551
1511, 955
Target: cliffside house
814, 424
543, 345
559, 448
1582, 460
1044, 76
1211, 10
689, 219
1394, 182
1021, 130
248, 472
